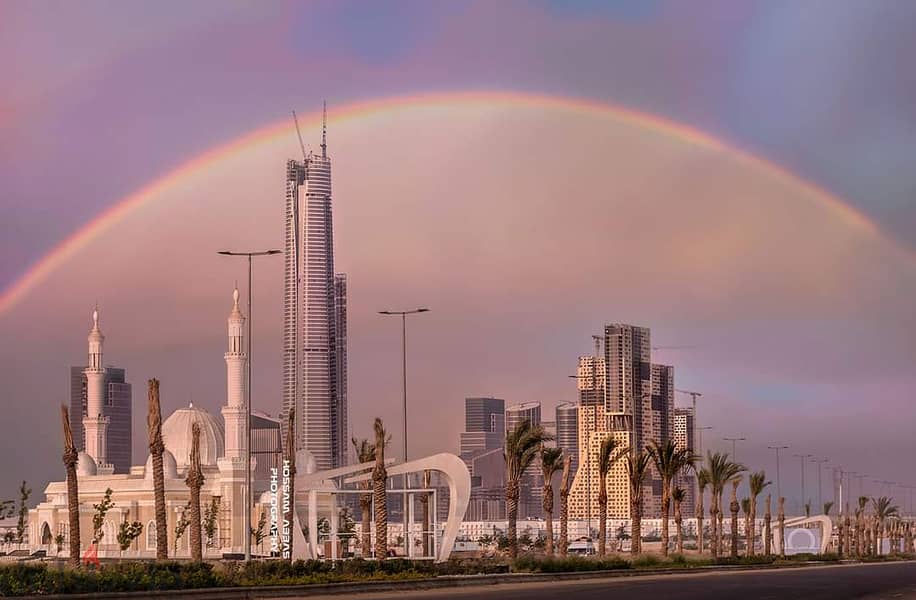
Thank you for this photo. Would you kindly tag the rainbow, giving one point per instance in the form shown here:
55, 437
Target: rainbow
66, 249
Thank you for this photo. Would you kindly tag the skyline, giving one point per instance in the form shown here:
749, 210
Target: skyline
774, 241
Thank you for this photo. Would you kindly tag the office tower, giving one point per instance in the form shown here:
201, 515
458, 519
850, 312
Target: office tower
311, 352
485, 427
568, 433
341, 415
683, 437
627, 353
591, 381
265, 445
528, 411
116, 410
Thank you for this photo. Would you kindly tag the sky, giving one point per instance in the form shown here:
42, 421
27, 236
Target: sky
525, 226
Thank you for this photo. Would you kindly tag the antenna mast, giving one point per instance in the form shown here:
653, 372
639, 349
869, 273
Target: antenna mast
299, 134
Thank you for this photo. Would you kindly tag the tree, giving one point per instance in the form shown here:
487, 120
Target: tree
522, 446
70, 458
637, 471
883, 510
182, 524
156, 448
564, 505
610, 451
195, 480
59, 542
669, 461
127, 533
258, 535
22, 523
210, 516
379, 492
860, 524
365, 452
827, 507
7, 509
425, 541
756, 483
677, 496
734, 507
808, 508
781, 515
98, 519
722, 470
702, 482
551, 462
767, 527
746, 509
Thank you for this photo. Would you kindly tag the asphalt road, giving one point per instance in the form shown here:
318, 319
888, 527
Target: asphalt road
883, 580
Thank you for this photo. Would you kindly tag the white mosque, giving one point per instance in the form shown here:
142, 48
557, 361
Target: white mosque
222, 453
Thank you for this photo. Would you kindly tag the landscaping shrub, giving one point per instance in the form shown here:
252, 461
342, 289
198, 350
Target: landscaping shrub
568, 564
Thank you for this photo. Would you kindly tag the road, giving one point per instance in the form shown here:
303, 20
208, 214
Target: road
882, 580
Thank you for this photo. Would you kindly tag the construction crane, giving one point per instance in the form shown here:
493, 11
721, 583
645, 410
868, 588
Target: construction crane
299, 134
672, 347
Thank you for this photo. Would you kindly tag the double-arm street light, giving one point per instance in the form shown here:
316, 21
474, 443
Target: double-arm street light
820, 499
403, 314
803, 457
247, 506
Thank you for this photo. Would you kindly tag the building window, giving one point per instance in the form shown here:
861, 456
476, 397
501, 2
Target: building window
151, 535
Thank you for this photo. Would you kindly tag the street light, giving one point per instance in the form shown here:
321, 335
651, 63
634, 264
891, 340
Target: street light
247, 507
700, 431
403, 314
820, 498
803, 457
778, 487
733, 440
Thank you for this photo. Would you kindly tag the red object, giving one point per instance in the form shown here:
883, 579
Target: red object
92, 556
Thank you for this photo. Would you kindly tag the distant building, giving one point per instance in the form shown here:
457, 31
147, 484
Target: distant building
684, 427
528, 411
117, 406
568, 433
266, 446
485, 427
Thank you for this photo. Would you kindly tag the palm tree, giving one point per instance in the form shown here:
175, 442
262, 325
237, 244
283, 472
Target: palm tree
669, 460
721, 471
827, 507
156, 448
781, 516
609, 453
522, 446
860, 523
702, 482
379, 493
551, 462
808, 508
735, 506
746, 509
756, 483
365, 452
291, 457
564, 504
884, 510
768, 527
424, 504
71, 457
637, 471
194, 481
677, 496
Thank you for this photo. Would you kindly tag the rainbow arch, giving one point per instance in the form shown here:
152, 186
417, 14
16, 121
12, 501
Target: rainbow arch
63, 251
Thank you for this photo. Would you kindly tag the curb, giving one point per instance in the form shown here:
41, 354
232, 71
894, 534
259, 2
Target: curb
442, 582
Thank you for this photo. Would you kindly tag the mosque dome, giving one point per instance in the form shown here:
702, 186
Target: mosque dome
169, 466
176, 434
85, 465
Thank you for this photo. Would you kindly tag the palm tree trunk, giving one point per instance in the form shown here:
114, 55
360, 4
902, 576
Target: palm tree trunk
734, 506
156, 448
767, 528
70, 458
713, 523
720, 528
781, 515
195, 480
679, 526
636, 529
512, 491
548, 529
751, 527
564, 506
699, 516
666, 507
602, 516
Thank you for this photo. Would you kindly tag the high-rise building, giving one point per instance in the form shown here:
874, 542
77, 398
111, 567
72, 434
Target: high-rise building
312, 372
528, 411
683, 438
568, 433
341, 415
116, 410
485, 427
591, 379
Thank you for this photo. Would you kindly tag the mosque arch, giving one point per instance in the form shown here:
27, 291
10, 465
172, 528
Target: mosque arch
46, 538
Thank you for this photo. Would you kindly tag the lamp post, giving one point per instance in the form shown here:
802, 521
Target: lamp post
403, 314
820, 498
778, 487
734, 440
700, 431
803, 457
247, 508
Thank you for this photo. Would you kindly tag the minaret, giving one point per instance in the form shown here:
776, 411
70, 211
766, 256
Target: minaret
95, 424
235, 411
